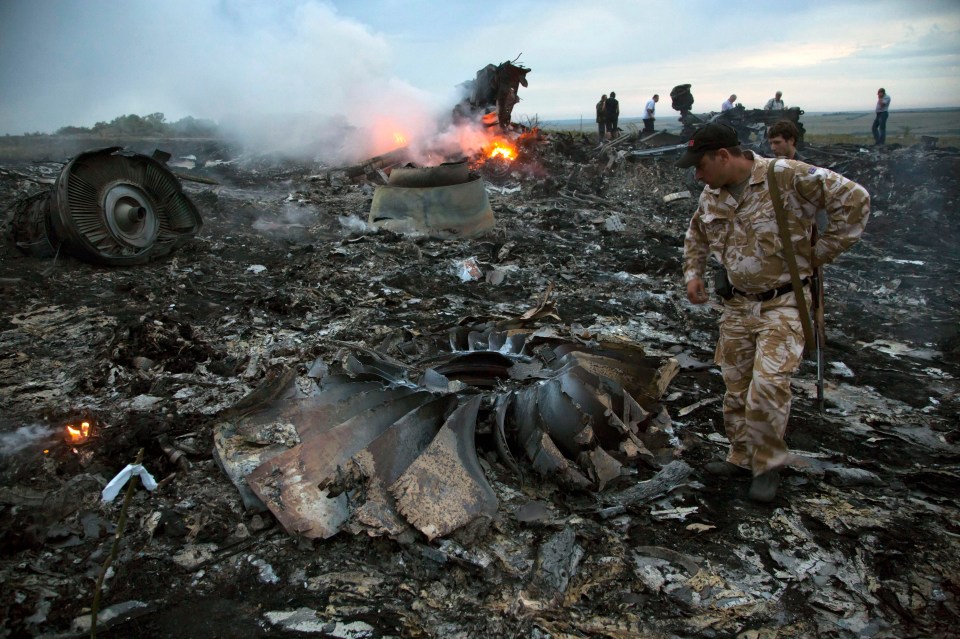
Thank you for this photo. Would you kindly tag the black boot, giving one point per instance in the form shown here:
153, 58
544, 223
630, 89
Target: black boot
721, 468
763, 488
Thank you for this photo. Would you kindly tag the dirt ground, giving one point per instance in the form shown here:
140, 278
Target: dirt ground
861, 542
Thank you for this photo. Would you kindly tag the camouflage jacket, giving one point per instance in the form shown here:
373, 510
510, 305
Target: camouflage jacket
744, 236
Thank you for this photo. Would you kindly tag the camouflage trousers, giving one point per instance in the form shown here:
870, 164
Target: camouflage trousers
760, 347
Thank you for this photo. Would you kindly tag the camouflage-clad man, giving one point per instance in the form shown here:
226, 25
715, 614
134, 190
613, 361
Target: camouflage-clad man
761, 338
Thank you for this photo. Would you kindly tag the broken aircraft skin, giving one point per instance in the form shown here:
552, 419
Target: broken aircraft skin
750, 124
493, 92
108, 206
371, 450
445, 202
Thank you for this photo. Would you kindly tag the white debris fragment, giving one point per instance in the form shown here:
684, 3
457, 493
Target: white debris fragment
614, 224
680, 513
679, 195
144, 402
308, 620
256, 269
896, 349
686, 410
191, 557
647, 571
717, 438
468, 269
840, 369
83, 623
267, 574
502, 190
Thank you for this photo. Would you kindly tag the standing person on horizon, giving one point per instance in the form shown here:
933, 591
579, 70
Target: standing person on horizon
612, 114
602, 119
728, 103
774, 103
649, 112
880, 121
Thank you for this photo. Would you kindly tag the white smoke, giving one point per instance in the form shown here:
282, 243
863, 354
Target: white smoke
284, 77
23, 438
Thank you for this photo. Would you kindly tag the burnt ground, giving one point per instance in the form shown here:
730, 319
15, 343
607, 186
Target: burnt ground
862, 542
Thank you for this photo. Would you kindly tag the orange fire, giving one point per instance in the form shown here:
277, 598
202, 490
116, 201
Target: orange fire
79, 434
399, 138
502, 149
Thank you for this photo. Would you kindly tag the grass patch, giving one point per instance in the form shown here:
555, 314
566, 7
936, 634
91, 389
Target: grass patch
905, 138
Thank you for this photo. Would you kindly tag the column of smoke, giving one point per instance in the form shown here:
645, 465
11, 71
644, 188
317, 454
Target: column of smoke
295, 78
381, 116
317, 86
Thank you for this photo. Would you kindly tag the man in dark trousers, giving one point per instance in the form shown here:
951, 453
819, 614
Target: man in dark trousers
613, 114
602, 119
649, 114
880, 121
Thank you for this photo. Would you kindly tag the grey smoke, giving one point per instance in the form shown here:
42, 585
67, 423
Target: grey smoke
33, 435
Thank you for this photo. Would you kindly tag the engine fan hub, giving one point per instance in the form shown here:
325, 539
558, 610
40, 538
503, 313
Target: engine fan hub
130, 215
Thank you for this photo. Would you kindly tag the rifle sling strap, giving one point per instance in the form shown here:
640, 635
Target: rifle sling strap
791, 258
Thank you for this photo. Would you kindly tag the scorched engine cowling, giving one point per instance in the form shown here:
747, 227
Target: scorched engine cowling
111, 207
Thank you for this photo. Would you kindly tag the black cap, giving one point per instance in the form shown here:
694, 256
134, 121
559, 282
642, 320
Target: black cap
709, 137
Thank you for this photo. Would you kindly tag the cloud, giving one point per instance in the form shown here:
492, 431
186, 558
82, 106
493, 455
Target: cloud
66, 62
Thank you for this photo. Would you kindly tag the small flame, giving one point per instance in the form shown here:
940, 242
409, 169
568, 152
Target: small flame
399, 138
502, 149
79, 434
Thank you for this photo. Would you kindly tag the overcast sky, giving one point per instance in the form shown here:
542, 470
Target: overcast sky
76, 62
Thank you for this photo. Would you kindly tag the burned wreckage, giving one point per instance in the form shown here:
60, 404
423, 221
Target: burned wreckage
579, 414
375, 408
492, 94
110, 207
750, 124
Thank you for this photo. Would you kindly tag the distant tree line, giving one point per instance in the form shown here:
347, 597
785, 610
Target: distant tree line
147, 126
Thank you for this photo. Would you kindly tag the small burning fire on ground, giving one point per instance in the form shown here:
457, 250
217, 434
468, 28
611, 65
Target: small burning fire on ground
77, 434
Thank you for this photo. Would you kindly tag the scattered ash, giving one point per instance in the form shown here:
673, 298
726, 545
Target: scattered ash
863, 542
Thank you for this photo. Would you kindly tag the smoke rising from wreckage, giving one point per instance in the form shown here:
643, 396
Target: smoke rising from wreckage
289, 290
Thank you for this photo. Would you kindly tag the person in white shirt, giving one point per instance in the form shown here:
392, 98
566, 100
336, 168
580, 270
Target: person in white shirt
728, 104
775, 103
880, 121
648, 113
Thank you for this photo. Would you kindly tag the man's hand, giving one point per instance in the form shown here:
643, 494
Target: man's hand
697, 291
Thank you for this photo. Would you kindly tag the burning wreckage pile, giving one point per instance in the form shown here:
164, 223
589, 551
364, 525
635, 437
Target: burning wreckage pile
466, 399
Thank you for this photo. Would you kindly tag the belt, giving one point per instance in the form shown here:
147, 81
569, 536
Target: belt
772, 293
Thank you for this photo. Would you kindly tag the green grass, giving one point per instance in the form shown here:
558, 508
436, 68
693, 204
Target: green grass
906, 138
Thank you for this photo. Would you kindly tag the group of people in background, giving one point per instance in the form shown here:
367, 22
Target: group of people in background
608, 116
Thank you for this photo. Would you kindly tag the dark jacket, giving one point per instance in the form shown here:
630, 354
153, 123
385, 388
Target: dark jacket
613, 109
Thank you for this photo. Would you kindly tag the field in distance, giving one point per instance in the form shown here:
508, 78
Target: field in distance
903, 127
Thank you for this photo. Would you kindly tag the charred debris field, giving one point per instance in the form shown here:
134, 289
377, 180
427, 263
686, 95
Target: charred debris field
288, 291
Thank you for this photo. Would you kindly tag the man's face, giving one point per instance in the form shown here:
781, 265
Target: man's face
712, 169
783, 148
880, 93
